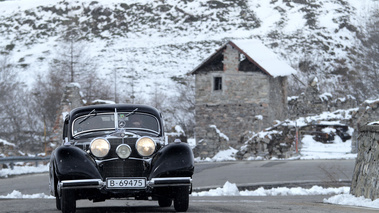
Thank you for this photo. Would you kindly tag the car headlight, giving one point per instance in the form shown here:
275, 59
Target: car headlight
100, 147
145, 146
123, 151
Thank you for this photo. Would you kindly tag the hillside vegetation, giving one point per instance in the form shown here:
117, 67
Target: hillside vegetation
147, 47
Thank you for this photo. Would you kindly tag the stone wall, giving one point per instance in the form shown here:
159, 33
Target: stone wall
313, 102
275, 143
248, 101
211, 143
232, 119
366, 172
367, 112
278, 103
279, 141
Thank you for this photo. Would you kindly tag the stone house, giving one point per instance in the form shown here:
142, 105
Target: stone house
241, 87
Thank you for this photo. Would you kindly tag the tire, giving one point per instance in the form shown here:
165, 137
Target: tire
181, 199
164, 202
58, 202
68, 201
57, 198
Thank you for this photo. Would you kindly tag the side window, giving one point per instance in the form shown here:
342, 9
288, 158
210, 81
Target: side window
65, 128
217, 83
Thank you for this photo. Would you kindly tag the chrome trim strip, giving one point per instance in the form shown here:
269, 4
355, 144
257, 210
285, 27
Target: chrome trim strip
170, 181
105, 160
98, 162
79, 184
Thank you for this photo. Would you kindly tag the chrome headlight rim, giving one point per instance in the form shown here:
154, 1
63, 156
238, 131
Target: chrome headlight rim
120, 155
94, 148
151, 152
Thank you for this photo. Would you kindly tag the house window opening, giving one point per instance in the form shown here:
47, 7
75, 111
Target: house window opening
217, 84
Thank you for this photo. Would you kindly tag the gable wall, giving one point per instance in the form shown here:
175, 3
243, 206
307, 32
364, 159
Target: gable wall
278, 98
244, 96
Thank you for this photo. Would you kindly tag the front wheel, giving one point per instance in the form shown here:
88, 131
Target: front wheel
181, 198
68, 201
164, 202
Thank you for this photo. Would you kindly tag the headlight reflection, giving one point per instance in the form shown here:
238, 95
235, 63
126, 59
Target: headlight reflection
145, 146
100, 147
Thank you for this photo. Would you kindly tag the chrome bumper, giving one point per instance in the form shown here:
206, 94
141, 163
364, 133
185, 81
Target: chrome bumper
98, 183
173, 181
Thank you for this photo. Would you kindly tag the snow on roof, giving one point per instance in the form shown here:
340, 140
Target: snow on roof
258, 54
264, 57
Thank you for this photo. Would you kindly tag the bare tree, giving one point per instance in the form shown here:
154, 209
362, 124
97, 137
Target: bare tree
18, 122
181, 108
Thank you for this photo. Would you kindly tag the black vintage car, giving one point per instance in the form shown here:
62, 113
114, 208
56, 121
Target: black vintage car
119, 151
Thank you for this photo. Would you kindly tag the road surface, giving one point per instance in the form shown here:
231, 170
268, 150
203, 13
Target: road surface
246, 174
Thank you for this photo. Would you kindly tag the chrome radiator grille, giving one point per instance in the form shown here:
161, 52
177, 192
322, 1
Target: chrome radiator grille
122, 168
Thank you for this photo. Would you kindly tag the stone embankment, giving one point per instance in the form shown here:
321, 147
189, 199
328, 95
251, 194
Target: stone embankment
366, 172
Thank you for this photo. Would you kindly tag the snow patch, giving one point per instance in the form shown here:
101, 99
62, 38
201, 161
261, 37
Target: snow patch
223, 155
219, 132
325, 96
18, 195
312, 149
21, 170
231, 189
7, 143
179, 129
341, 194
265, 57
351, 200
259, 117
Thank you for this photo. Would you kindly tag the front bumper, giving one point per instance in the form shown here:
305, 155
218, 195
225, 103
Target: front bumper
98, 183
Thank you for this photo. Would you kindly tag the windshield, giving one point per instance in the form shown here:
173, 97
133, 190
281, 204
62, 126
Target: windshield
106, 121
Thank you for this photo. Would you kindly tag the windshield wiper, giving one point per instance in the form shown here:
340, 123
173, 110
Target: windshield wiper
132, 112
89, 115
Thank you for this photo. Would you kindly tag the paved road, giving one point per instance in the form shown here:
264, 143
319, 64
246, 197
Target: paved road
266, 173
249, 174
210, 175
270, 204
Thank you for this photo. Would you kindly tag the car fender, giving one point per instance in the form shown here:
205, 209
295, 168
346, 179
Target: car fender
173, 160
71, 163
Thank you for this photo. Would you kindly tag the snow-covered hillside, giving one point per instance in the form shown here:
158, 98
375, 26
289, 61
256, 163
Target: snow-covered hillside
160, 40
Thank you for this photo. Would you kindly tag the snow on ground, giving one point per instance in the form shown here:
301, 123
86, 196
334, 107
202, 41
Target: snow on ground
20, 170
341, 194
224, 155
18, 195
351, 200
230, 189
315, 150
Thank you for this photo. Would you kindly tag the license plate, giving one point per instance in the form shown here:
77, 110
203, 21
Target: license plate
126, 183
